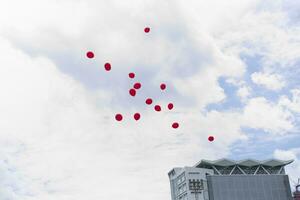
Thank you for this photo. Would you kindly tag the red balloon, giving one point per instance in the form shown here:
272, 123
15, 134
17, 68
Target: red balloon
90, 54
175, 125
119, 117
137, 116
211, 138
132, 92
131, 75
157, 108
170, 106
107, 66
147, 29
163, 86
137, 86
149, 101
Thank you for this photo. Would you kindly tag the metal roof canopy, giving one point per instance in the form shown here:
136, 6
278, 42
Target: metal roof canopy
247, 163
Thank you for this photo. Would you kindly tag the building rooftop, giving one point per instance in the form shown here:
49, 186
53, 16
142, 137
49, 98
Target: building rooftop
247, 163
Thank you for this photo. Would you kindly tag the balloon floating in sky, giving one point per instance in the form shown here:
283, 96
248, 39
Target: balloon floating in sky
131, 75
146, 29
170, 106
118, 117
175, 125
132, 92
137, 116
157, 108
107, 66
90, 54
149, 101
137, 86
211, 138
163, 86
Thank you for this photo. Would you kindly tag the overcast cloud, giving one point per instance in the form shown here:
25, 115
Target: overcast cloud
231, 70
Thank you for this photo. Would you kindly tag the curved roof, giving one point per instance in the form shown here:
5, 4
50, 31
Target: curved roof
247, 162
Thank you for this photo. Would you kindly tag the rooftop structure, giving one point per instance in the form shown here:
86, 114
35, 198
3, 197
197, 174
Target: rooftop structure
248, 166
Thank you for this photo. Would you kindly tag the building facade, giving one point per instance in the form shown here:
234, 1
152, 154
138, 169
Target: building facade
231, 180
189, 183
297, 192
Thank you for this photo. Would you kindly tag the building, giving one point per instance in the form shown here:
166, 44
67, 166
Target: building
297, 192
226, 179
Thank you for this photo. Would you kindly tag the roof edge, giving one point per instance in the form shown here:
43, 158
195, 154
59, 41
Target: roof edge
253, 162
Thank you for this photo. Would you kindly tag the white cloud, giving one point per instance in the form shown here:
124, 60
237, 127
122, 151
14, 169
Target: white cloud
244, 92
266, 32
203, 85
262, 114
294, 103
270, 81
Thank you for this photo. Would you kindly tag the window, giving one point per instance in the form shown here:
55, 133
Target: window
182, 189
180, 179
194, 172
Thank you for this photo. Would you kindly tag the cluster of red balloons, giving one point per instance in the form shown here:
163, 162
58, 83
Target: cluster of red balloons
148, 101
137, 86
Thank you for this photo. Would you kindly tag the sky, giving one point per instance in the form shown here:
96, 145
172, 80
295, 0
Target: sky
231, 69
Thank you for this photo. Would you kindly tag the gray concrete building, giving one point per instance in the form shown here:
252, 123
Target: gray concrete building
226, 179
